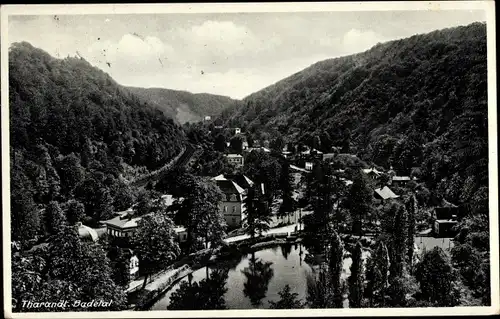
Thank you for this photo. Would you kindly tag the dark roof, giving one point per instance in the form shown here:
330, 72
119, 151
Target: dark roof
240, 179
122, 221
446, 212
229, 187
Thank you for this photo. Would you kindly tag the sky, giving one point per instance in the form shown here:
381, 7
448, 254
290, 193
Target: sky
232, 54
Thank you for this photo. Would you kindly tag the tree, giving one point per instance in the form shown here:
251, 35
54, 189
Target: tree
436, 275
207, 294
288, 203
288, 300
71, 173
336, 260
120, 265
54, 218
75, 211
199, 211
356, 279
398, 242
220, 143
155, 243
410, 239
258, 213
377, 275
68, 258
359, 202
278, 144
236, 144
25, 219
319, 290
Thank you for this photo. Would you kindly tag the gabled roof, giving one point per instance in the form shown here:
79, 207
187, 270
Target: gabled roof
122, 221
386, 193
296, 168
228, 186
240, 180
371, 170
234, 155
446, 213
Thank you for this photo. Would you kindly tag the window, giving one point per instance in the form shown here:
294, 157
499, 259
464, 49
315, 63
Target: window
233, 198
234, 209
234, 220
225, 209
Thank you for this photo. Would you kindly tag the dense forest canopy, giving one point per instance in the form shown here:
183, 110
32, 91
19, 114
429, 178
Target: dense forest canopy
75, 134
185, 106
419, 102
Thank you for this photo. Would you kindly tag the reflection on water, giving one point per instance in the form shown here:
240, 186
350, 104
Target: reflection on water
258, 275
251, 281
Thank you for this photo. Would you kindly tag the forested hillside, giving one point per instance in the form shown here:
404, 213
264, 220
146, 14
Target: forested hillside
76, 136
184, 106
416, 102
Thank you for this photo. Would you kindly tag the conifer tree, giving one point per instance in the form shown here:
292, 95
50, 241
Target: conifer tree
336, 259
356, 279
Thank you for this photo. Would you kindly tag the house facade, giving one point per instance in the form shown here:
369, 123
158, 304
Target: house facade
231, 205
123, 225
235, 159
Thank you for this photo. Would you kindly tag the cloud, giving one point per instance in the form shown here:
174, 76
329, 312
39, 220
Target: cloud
357, 40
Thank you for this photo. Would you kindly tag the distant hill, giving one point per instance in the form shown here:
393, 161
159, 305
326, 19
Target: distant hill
415, 102
184, 106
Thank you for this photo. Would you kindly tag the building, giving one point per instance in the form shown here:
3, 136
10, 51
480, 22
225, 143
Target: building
133, 263
311, 154
123, 225
207, 118
444, 220
237, 130
384, 194
244, 145
231, 205
240, 179
235, 159
181, 233
400, 180
372, 172
309, 166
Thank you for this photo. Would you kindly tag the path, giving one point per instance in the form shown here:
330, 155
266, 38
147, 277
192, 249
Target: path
284, 229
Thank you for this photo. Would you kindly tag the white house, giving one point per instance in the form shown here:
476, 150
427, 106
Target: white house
309, 166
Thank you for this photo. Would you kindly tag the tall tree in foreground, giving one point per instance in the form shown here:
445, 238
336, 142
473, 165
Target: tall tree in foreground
55, 218
155, 243
336, 259
359, 202
436, 277
410, 239
398, 242
377, 275
288, 203
288, 300
207, 294
356, 279
258, 213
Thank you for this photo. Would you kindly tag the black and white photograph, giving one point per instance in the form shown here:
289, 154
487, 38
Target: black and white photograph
291, 159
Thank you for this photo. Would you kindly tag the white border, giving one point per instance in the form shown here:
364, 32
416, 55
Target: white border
487, 6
